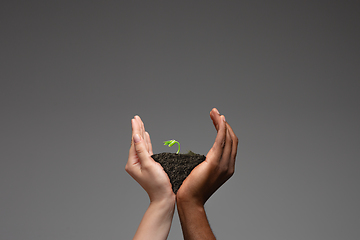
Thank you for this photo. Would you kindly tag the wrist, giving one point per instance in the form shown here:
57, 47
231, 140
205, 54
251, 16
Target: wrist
164, 202
185, 200
157, 219
189, 204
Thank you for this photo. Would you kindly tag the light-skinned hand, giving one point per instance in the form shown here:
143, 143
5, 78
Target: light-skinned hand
148, 173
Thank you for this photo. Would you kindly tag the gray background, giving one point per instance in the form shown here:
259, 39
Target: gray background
285, 74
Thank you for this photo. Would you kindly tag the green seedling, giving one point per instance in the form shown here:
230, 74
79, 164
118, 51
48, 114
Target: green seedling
172, 142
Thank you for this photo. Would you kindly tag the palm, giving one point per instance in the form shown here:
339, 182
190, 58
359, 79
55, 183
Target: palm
201, 183
195, 181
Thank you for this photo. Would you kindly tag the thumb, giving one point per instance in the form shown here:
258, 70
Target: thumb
140, 148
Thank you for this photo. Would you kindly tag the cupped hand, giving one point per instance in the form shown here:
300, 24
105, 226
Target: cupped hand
217, 168
140, 165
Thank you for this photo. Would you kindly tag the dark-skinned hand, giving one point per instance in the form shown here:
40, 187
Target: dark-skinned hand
217, 168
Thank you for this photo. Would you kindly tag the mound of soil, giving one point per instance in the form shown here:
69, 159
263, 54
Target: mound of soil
178, 166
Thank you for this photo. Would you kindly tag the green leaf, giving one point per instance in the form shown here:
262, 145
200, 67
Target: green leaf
171, 143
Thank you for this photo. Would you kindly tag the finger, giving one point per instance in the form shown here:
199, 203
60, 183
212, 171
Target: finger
142, 129
216, 111
225, 158
136, 128
217, 149
235, 142
141, 150
133, 159
148, 141
215, 115
141, 125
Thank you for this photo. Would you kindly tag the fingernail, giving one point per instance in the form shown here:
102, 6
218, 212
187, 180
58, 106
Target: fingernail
136, 138
224, 118
217, 111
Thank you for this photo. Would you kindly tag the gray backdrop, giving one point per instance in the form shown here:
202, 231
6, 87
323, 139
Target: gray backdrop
285, 74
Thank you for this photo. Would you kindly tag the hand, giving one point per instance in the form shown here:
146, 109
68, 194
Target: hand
217, 168
148, 173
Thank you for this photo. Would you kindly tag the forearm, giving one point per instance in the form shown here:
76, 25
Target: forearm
156, 221
194, 222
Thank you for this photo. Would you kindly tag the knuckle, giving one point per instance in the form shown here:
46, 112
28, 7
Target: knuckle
226, 171
223, 169
138, 148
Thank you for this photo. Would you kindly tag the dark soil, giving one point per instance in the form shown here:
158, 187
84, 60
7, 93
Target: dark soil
178, 166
